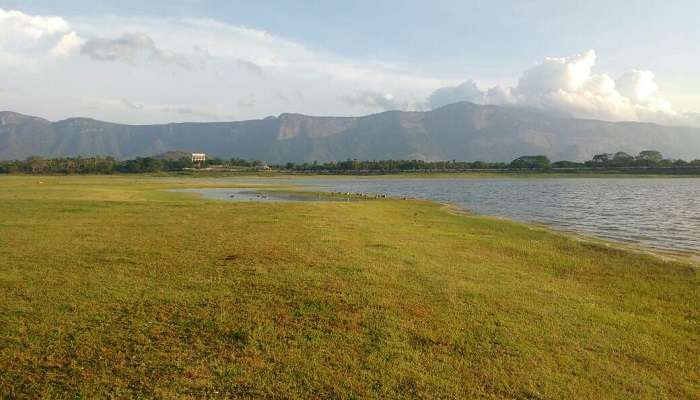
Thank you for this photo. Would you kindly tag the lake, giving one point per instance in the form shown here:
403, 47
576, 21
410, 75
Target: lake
661, 213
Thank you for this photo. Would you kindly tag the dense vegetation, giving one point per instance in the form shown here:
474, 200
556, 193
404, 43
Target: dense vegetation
645, 159
98, 165
109, 165
114, 288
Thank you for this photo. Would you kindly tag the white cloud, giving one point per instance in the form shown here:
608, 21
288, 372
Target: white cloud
191, 64
371, 100
555, 74
184, 68
18, 25
26, 40
129, 47
67, 45
638, 85
570, 86
467, 91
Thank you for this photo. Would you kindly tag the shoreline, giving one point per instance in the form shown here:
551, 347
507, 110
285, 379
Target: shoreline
690, 257
476, 174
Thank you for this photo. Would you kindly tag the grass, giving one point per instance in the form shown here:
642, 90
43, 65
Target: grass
110, 287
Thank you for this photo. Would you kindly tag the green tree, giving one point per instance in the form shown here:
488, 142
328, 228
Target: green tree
650, 157
531, 162
566, 164
602, 159
622, 159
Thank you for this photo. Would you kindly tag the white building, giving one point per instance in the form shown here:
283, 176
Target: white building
199, 158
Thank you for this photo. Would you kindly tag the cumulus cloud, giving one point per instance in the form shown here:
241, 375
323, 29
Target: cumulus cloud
638, 85
211, 62
558, 74
214, 64
570, 86
467, 91
24, 37
129, 47
67, 45
16, 24
372, 100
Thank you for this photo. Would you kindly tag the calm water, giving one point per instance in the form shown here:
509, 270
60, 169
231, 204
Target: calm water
661, 213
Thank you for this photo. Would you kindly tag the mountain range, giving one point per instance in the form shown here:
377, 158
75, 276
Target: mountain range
461, 131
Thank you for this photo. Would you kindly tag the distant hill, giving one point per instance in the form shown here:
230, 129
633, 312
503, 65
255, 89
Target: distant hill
461, 131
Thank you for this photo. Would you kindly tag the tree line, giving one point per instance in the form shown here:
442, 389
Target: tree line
91, 165
645, 159
110, 165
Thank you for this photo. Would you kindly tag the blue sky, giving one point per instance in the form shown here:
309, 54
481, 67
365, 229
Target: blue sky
435, 44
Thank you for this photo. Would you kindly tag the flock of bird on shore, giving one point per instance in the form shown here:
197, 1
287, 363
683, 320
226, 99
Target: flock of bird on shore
363, 195
346, 194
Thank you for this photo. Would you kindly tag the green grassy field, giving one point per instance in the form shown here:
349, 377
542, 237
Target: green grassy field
110, 287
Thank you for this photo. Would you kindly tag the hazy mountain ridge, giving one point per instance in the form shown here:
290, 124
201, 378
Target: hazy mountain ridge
462, 131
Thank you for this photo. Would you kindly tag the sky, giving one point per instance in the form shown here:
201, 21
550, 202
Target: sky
194, 60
